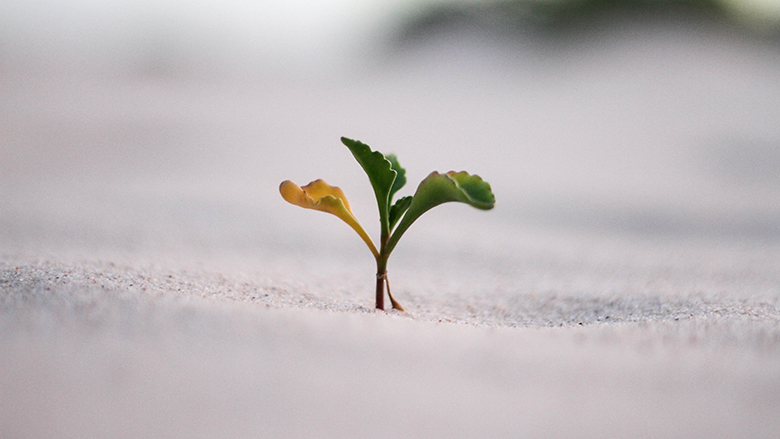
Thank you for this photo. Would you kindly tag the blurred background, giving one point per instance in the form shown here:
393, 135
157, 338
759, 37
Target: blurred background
164, 123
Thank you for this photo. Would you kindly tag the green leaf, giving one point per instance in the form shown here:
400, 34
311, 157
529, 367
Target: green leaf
398, 209
381, 174
442, 188
400, 179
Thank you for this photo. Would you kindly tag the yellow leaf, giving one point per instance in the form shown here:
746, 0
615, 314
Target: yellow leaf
319, 195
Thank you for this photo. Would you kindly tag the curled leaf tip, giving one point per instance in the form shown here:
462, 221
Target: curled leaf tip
292, 193
476, 191
319, 189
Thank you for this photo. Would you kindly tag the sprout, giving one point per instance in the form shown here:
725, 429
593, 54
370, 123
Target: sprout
387, 177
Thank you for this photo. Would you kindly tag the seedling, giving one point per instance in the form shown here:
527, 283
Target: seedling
387, 177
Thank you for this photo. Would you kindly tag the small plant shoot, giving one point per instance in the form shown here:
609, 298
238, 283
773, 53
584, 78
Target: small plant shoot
387, 177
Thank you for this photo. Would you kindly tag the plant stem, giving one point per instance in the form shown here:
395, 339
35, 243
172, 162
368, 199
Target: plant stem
382, 282
380, 290
381, 258
381, 265
381, 279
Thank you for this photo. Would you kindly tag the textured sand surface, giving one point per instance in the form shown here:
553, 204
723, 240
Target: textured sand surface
154, 284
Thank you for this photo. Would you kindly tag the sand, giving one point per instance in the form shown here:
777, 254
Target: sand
154, 284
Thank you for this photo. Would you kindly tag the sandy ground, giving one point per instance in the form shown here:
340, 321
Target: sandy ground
154, 284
